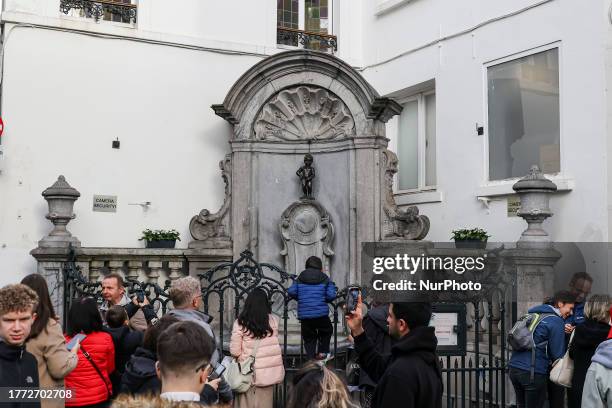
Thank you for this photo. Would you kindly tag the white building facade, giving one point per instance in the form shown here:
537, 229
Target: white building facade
489, 88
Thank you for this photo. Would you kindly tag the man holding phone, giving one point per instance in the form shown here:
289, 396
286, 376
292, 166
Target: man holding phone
18, 368
410, 377
113, 292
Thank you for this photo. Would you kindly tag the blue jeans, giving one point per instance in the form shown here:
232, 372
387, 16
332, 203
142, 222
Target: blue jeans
529, 394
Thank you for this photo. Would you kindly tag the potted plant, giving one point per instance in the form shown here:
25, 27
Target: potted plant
160, 238
470, 238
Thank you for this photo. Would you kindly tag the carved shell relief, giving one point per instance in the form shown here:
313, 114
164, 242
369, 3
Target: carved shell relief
304, 113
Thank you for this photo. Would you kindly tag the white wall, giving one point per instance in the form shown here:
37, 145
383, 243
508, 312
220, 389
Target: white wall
66, 97
68, 94
457, 66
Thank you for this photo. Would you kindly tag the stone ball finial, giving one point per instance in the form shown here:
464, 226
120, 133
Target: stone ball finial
60, 198
61, 188
535, 180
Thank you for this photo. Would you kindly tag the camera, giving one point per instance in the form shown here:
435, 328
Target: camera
352, 297
140, 295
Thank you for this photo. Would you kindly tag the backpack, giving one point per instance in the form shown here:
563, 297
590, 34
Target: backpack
520, 337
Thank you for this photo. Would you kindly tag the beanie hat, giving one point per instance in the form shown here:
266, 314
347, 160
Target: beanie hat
314, 262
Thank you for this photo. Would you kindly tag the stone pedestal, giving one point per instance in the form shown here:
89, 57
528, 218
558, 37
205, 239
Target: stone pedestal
534, 257
533, 269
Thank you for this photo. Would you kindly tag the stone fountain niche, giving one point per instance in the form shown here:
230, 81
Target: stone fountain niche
290, 105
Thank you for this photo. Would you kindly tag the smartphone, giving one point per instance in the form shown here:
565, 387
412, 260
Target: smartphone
217, 372
76, 339
140, 296
352, 296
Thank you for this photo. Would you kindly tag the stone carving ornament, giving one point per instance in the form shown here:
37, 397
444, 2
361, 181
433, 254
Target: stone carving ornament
207, 225
398, 223
304, 113
306, 230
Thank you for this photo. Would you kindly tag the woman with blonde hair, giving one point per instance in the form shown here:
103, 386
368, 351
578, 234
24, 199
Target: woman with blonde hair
316, 386
587, 336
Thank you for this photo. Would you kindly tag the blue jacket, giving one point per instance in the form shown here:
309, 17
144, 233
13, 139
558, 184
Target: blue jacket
551, 329
578, 316
313, 290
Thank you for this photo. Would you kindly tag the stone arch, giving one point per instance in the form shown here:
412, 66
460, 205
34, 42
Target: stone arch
285, 106
292, 69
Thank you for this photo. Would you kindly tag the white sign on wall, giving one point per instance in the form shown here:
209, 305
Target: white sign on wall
104, 203
445, 325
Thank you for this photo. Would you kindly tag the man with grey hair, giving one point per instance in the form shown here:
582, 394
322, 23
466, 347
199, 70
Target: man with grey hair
186, 297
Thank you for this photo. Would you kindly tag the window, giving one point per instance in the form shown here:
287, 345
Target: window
122, 11
416, 142
305, 23
523, 115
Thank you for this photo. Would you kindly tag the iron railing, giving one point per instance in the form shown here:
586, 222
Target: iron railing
127, 12
307, 39
472, 378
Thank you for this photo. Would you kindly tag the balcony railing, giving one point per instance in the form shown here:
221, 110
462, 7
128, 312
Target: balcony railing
105, 9
307, 39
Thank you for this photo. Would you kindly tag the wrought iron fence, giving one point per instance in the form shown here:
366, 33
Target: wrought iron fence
474, 378
125, 11
307, 39
478, 377
225, 283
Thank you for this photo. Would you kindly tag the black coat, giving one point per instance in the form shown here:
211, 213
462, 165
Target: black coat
410, 377
587, 337
376, 328
126, 342
18, 369
140, 376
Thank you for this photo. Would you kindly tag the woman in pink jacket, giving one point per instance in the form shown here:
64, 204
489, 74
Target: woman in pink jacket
256, 326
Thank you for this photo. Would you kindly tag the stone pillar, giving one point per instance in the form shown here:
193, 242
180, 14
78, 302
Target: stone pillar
534, 257
54, 249
94, 270
175, 269
156, 267
134, 270
116, 267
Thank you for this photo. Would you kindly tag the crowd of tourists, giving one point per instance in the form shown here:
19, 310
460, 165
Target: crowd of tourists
567, 358
122, 354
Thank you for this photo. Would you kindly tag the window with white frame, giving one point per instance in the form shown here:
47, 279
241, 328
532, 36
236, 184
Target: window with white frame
305, 23
523, 115
416, 143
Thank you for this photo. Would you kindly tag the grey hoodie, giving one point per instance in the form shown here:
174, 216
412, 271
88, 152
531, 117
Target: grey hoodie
202, 319
190, 315
597, 392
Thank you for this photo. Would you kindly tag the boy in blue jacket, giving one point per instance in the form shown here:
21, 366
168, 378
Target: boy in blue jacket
313, 290
550, 334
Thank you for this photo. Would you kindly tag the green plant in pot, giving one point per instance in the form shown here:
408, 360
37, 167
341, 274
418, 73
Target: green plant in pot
470, 238
160, 238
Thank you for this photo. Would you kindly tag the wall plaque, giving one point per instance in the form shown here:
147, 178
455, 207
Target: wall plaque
105, 203
514, 203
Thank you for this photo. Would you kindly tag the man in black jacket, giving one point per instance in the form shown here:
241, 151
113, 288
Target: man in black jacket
140, 376
18, 368
410, 377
